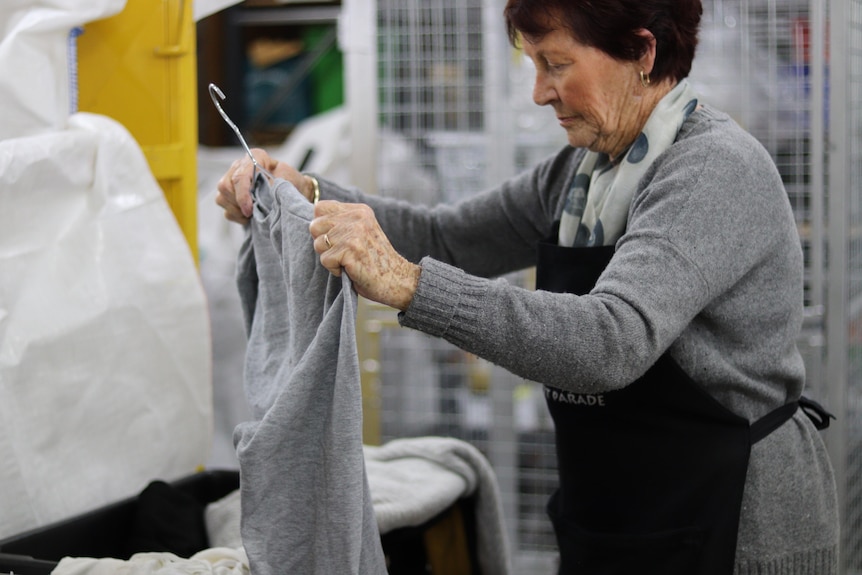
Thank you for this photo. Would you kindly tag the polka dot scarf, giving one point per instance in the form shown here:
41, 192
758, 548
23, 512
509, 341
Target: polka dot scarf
597, 204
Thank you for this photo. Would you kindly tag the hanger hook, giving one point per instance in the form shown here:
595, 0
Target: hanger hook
216, 94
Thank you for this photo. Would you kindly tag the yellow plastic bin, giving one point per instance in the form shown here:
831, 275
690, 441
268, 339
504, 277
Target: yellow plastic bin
139, 67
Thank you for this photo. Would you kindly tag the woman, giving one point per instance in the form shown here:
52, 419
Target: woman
668, 301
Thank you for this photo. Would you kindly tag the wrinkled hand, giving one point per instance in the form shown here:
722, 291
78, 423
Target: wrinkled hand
234, 187
349, 239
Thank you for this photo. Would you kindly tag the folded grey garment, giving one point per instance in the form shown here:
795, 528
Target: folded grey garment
414, 479
305, 502
409, 491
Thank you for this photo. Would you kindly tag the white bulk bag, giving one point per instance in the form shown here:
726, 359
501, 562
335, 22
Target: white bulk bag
104, 335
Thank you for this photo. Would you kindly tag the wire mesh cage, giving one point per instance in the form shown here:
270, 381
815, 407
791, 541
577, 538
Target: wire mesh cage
436, 144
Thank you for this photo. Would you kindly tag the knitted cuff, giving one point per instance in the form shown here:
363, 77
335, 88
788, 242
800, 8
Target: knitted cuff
446, 302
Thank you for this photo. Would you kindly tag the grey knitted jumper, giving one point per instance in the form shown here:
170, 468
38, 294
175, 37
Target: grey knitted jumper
710, 268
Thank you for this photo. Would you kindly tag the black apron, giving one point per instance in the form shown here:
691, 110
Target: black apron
652, 475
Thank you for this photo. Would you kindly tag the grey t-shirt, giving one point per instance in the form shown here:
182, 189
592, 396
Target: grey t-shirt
306, 505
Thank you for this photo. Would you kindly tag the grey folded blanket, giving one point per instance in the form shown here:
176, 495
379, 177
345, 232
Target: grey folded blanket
414, 479
306, 506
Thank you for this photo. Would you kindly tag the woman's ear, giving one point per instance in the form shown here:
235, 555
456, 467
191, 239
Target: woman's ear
647, 59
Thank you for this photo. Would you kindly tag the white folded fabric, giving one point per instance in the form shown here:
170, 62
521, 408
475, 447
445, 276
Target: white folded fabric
215, 561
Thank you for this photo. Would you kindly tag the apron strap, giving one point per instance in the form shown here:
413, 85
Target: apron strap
772, 421
815, 412
775, 418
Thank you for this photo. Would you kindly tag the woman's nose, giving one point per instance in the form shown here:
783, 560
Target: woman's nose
543, 92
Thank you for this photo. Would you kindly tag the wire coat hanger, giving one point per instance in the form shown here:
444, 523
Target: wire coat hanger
216, 95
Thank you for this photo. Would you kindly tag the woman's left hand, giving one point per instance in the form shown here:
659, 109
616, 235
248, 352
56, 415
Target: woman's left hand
234, 187
349, 238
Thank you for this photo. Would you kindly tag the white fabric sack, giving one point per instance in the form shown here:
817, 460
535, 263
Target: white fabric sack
105, 354
35, 87
105, 361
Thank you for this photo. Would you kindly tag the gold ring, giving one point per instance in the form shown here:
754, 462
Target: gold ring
326, 239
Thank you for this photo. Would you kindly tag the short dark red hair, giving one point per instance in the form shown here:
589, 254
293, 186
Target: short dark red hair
612, 25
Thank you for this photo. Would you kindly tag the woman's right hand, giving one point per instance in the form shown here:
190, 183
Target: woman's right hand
234, 187
349, 239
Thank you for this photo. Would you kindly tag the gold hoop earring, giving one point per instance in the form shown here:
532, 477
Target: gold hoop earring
645, 81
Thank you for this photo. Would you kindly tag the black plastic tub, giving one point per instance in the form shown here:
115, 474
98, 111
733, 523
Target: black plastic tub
109, 532
103, 532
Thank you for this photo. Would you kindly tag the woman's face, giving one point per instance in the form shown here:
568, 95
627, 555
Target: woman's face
591, 92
